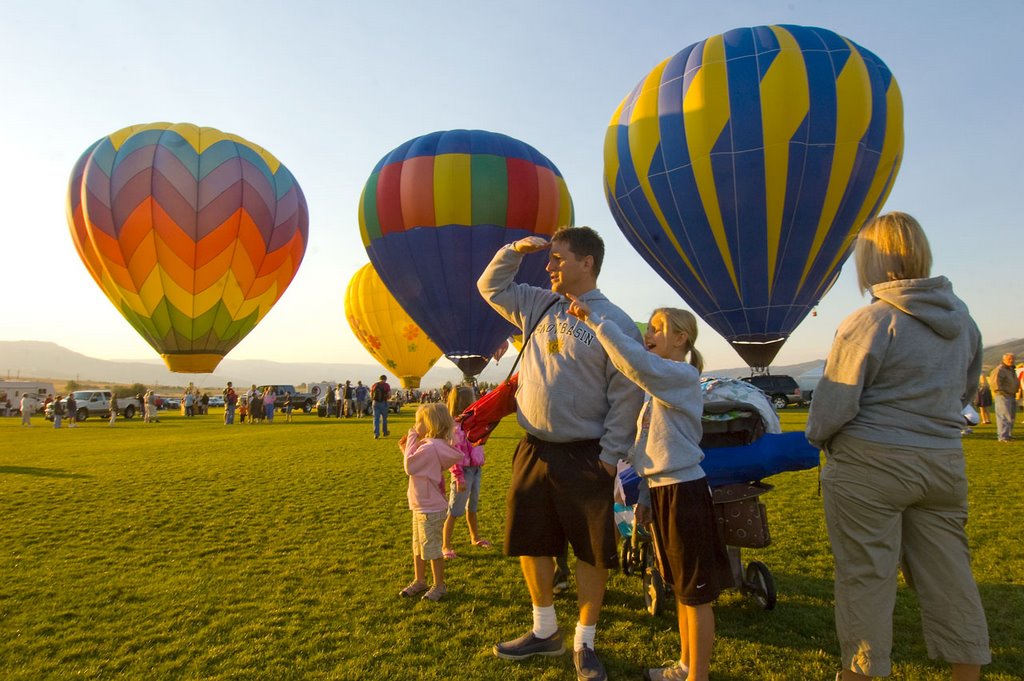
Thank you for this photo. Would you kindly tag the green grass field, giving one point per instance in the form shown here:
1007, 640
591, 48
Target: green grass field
186, 549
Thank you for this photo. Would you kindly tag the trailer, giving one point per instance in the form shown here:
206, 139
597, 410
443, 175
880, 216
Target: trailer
12, 392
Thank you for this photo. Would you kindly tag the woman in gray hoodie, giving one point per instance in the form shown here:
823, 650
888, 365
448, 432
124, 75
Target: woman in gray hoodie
887, 414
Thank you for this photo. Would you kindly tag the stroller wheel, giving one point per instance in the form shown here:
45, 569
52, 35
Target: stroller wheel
654, 586
643, 559
625, 564
760, 584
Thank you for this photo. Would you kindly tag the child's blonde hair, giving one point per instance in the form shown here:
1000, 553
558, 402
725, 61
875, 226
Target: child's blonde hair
682, 321
459, 399
436, 418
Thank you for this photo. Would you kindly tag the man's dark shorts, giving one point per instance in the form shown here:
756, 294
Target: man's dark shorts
561, 492
691, 553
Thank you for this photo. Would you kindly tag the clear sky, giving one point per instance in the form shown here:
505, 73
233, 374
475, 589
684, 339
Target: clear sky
330, 87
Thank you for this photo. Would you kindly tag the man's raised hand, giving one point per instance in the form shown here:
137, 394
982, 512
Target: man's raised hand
531, 244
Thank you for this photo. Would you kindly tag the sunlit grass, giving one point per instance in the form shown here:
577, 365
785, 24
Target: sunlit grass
186, 549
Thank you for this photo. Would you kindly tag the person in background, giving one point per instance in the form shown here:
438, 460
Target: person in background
464, 496
1005, 385
288, 404
579, 414
428, 453
330, 401
362, 394
230, 403
887, 414
350, 400
269, 398
984, 399
71, 409
339, 400
1020, 385
26, 407
380, 393
58, 411
113, 408
255, 405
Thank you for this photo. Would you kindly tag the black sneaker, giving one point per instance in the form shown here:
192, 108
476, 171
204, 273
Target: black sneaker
588, 667
529, 645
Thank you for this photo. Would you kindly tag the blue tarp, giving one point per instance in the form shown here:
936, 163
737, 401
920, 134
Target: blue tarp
770, 454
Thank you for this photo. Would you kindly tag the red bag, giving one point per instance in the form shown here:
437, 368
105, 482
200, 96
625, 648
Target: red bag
484, 415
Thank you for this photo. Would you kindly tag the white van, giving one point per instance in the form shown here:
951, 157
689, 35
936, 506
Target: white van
808, 381
13, 390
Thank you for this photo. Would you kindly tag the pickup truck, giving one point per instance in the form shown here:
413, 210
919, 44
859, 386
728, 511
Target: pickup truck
303, 401
394, 406
97, 403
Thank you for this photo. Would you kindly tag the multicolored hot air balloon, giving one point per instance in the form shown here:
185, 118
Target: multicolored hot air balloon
192, 233
436, 210
386, 330
743, 168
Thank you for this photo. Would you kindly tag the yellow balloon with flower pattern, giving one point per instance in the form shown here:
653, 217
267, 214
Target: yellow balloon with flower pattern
386, 330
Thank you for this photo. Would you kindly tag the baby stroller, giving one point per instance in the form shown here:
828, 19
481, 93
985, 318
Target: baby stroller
638, 547
738, 454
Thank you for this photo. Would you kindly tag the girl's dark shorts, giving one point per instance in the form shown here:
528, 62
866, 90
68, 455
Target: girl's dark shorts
690, 551
561, 493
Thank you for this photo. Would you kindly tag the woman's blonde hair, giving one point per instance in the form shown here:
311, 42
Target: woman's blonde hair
683, 321
436, 418
459, 399
892, 247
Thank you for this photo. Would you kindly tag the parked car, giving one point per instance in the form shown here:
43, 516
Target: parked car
394, 406
168, 403
97, 403
781, 390
216, 401
303, 401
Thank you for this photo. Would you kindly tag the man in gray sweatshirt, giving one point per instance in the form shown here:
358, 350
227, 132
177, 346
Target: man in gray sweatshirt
579, 414
1004, 388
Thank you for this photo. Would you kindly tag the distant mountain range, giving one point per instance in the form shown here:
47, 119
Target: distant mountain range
42, 360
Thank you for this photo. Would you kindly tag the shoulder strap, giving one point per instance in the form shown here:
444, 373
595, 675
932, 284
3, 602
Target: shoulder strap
526, 338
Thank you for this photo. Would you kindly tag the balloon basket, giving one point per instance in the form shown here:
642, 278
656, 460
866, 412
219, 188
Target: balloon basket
198, 363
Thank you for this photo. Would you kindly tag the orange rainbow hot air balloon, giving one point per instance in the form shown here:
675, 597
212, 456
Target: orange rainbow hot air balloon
192, 233
386, 330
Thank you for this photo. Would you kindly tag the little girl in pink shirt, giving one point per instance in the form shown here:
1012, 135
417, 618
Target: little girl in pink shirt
428, 453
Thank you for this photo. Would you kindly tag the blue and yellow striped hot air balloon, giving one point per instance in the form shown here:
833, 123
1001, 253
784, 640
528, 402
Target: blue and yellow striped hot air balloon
743, 167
